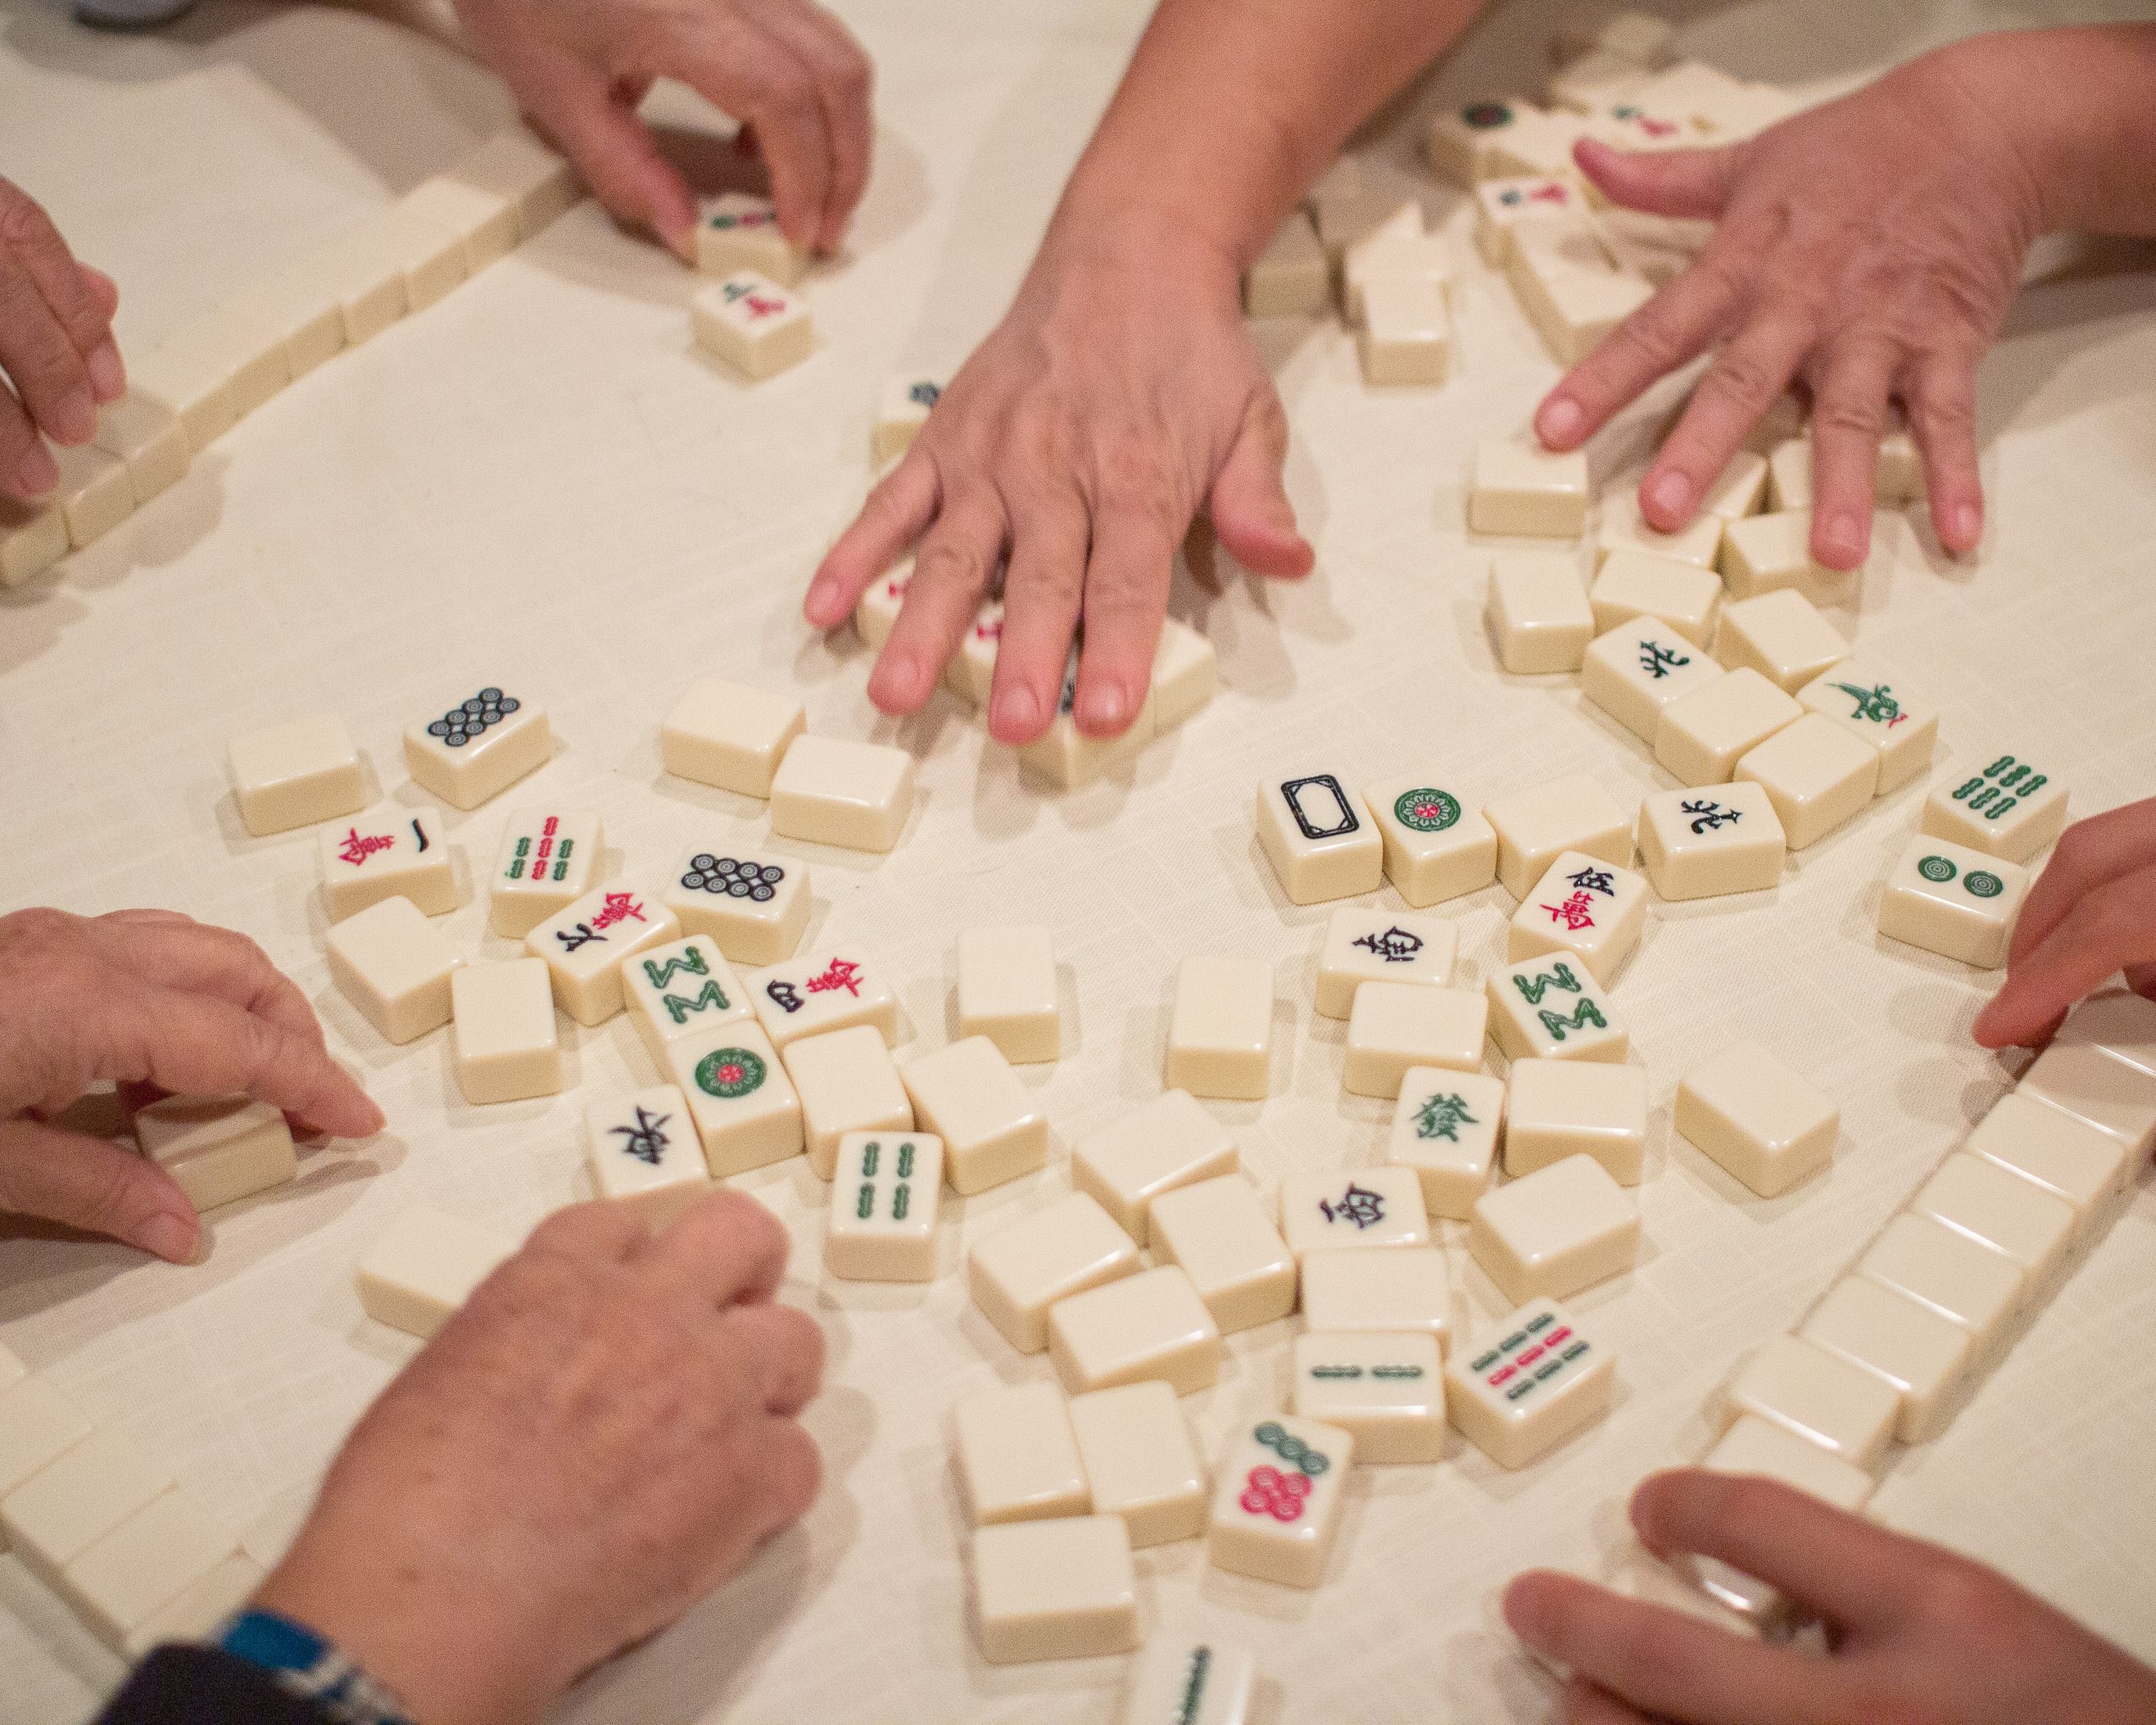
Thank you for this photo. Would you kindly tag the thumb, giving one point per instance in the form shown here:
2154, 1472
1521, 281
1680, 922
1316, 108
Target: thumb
1688, 183
96, 1185
1249, 503
613, 149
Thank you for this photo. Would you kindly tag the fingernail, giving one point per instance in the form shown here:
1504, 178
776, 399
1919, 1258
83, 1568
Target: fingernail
894, 681
1016, 710
1968, 525
1561, 420
108, 375
1672, 493
1845, 537
1106, 707
37, 473
169, 1238
75, 420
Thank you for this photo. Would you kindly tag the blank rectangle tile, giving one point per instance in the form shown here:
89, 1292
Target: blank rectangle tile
1220, 1032
1218, 1233
2093, 1085
1924, 1357
1821, 1397
1020, 1270
1552, 1232
1140, 1461
1061, 1589
1151, 1325
1017, 1456
2084, 1164
2009, 1214
1955, 1276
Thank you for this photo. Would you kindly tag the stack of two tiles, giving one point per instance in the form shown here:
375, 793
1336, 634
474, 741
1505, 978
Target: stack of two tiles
748, 314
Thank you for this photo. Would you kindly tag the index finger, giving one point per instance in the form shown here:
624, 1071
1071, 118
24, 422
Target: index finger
723, 1249
2089, 852
2110, 929
843, 78
186, 955
195, 1044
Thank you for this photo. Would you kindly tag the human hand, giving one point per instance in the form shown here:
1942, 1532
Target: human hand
1916, 1632
785, 67
2091, 911
602, 1434
56, 346
1868, 248
1118, 395
144, 997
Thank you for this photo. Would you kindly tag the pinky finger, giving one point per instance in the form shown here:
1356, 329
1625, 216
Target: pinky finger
1943, 415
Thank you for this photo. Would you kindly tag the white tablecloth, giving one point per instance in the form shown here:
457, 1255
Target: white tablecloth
539, 484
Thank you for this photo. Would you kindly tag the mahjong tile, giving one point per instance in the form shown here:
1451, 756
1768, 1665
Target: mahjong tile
1584, 908
1521, 1389
1378, 1208
2009, 806
1385, 1390
1435, 846
1363, 945
1277, 1507
1554, 1008
1696, 844
1449, 1127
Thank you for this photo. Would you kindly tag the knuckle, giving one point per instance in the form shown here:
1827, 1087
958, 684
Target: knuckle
1850, 416
23, 224
1135, 478
1743, 379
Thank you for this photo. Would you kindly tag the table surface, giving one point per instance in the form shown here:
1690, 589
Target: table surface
538, 483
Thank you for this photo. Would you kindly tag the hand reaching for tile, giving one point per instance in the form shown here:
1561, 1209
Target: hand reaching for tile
1869, 250
786, 68
601, 1435
1917, 1631
147, 997
2092, 911
57, 348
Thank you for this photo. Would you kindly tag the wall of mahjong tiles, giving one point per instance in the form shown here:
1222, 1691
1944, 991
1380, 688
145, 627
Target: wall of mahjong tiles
535, 484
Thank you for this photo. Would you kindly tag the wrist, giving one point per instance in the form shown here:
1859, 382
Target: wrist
2036, 148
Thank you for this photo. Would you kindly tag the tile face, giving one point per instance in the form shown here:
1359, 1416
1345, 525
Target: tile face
1020, 1270
1536, 826
2005, 805
1782, 636
1638, 668
1523, 1388
1502, 206
1405, 1290
1315, 832
1633, 584
732, 735
826, 991
1060, 1590
885, 1190
1703, 734
1221, 1034
586, 944
681, 990
902, 408
77, 1497
992, 1128
2000, 1209
1191, 1683
423, 1267
220, 1149
1923, 1357
39, 1422
876, 613
1956, 902
1524, 491
1151, 1325
1364, 945
1219, 1235
1007, 990
1704, 843
1435, 847
1817, 775
1168, 1142
1140, 1461
1551, 1233
1395, 1026
1555, 1009
830, 791
1185, 672
2081, 1162
1955, 1276
1826, 1399
549, 859
2095, 1084
141, 1563
753, 324
737, 231
1017, 1456
296, 774
1362, 1208
755, 906
1467, 144
1559, 1108
1538, 612
847, 1084
1583, 908
1385, 1390
388, 853
641, 1151
1447, 1127
1758, 1446
1764, 1123
506, 1045
394, 965
478, 748
1276, 1508
1291, 277
746, 1111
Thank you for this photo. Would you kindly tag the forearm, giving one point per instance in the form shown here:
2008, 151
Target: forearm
2082, 102
1231, 108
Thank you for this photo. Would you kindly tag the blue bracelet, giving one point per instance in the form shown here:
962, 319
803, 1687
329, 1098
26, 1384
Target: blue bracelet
306, 1665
